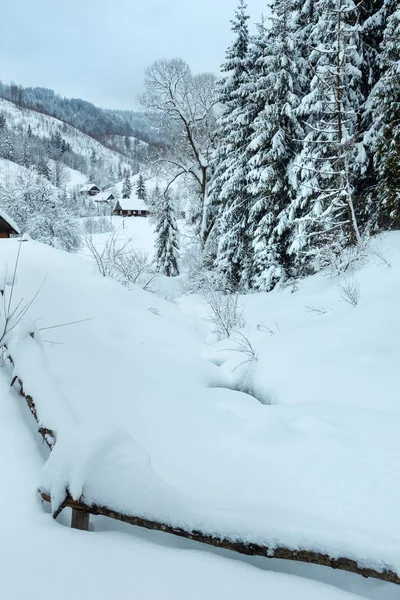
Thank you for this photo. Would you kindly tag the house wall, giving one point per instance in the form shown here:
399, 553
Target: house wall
4, 234
130, 213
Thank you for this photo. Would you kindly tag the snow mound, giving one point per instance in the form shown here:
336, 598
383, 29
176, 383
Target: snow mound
108, 468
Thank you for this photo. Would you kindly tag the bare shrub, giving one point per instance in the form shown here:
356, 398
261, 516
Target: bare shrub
135, 268
11, 314
122, 262
97, 225
335, 259
262, 327
107, 255
350, 292
244, 346
225, 311
384, 260
315, 310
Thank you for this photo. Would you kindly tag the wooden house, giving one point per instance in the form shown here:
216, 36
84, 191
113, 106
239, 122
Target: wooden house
89, 189
7, 226
107, 197
130, 207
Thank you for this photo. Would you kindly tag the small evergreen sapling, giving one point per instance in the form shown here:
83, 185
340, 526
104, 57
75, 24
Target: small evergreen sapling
127, 187
141, 188
167, 245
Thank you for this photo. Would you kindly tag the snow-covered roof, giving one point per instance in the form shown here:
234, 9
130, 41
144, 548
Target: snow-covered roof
89, 186
4, 217
104, 196
132, 203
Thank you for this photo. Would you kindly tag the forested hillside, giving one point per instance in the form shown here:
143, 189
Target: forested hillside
97, 122
306, 163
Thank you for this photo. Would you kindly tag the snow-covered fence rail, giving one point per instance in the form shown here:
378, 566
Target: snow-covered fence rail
50, 410
249, 549
51, 413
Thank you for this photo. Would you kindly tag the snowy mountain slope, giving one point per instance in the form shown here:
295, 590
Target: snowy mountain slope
44, 126
10, 172
137, 365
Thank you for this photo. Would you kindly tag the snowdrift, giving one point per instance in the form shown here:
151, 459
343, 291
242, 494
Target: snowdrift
311, 474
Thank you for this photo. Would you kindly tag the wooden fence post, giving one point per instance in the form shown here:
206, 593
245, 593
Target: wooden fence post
80, 519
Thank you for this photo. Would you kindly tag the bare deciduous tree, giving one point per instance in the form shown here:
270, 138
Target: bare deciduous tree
184, 105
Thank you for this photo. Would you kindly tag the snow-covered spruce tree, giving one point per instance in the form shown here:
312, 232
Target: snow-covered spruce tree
231, 159
374, 26
373, 17
43, 166
323, 210
141, 188
25, 155
274, 144
153, 201
126, 187
385, 109
6, 144
167, 245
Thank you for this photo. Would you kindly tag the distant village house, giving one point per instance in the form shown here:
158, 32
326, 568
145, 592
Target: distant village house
130, 207
90, 189
106, 197
7, 226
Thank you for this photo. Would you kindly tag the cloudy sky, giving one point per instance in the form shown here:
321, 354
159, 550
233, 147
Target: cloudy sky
98, 49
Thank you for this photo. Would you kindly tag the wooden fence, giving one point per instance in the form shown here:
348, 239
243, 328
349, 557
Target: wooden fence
81, 513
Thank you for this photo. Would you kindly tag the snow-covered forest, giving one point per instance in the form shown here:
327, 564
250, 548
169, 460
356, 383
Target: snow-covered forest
199, 321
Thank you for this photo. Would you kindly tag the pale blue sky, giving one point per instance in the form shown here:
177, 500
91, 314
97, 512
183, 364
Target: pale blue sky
98, 49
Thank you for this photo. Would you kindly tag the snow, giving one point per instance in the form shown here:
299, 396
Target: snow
75, 179
38, 554
54, 411
318, 468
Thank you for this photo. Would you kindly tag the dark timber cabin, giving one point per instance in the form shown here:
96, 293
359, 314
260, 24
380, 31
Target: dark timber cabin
7, 226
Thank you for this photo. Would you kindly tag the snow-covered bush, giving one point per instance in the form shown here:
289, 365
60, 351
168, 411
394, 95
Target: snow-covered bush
335, 259
97, 225
351, 292
134, 267
121, 261
41, 211
225, 311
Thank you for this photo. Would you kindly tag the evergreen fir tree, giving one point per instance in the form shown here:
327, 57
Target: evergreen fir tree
25, 158
127, 186
385, 110
6, 144
323, 210
228, 188
373, 18
275, 142
167, 246
141, 188
43, 167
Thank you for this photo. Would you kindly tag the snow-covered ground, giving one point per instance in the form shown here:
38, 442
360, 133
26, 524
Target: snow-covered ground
298, 446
